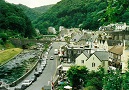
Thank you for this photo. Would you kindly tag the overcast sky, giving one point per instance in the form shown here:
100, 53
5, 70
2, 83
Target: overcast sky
33, 3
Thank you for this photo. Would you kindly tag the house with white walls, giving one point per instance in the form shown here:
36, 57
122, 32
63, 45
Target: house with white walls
52, 30
94, 61
120, 26
82, 58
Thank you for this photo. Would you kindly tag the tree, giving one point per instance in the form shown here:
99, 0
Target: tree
77, 75
125, 83
13, 20
3, 37
112, 81
95, 79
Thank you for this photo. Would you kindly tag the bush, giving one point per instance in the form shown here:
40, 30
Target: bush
90, 88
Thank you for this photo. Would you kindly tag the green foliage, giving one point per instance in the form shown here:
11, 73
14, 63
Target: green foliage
90, 14
112, 81
31, 14
116, 11
77, 74
71, 14
90, 88
13, 20
42, 9
125, 83
95, 79
3, 37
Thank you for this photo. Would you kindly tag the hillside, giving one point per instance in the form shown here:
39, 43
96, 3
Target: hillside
86, 14
31, 14
71, 13
14, 23
42, 9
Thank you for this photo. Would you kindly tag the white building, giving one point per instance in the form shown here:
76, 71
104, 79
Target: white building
52, 30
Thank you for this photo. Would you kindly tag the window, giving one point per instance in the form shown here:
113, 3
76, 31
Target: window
79, 51
93, 64
103, 63
93, 58
82, 61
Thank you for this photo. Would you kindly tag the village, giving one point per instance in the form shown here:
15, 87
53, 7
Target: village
106, 48
94, 49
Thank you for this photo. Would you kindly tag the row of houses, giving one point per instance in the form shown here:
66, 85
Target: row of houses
113, 27
116, 27
95, 49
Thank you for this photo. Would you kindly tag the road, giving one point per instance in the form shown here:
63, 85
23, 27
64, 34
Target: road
49, 71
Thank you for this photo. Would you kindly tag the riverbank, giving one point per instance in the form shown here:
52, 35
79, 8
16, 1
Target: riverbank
6, 55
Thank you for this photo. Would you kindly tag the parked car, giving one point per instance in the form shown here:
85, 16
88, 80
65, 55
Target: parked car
40, 70
37, 74
18, 88
33, 78
43, 64
51, 58
46, 57
27, 83
42, 67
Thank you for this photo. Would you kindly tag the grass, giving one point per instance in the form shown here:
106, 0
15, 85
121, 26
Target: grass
6, 55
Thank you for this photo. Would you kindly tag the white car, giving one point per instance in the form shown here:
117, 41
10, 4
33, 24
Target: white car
51, 58
40, 70
43, 65
27, 83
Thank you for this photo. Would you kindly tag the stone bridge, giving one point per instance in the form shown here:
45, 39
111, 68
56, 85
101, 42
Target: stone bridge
21, 42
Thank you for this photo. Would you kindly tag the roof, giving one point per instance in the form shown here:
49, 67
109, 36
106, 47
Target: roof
76, 37
102, 55
86, 36
117, 50
86, 54
113, 42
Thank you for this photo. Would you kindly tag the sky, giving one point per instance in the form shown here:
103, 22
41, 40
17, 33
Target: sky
33, 3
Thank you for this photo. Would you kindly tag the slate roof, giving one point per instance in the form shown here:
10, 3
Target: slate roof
86, 54
76, 37
113, 42
117, 50
102, 55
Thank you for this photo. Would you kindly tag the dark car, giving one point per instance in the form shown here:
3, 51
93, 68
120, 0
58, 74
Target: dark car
37, 74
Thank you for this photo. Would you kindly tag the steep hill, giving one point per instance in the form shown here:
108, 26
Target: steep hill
72, 13
86, 14
31, 14
13, 22
42, 9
